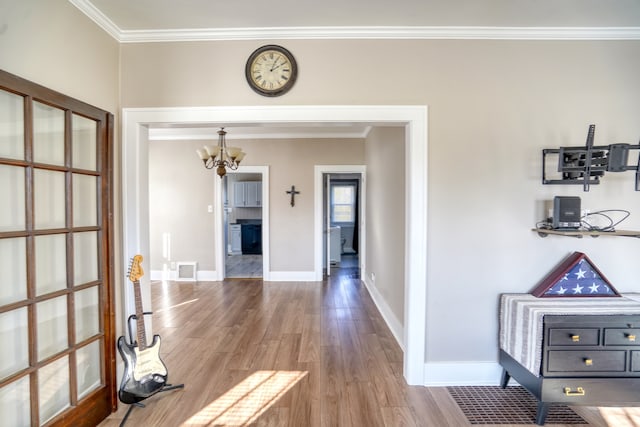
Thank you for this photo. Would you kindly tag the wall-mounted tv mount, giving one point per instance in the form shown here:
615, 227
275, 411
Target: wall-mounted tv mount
586, 165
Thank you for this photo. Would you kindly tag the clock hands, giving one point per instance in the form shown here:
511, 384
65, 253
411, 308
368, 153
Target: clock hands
273, 67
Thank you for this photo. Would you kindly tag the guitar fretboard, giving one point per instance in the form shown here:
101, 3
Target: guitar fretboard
140, 329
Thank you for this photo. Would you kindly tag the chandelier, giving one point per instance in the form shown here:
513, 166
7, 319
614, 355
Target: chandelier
221, 156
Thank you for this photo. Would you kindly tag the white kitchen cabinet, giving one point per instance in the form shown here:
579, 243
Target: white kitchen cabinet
238, 194
247, 194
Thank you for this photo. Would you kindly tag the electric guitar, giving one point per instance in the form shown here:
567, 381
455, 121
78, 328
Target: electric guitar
145, 374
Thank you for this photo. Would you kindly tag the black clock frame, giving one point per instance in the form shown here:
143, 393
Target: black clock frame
271, 93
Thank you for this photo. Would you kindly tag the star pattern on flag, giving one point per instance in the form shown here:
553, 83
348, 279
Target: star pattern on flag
582, 279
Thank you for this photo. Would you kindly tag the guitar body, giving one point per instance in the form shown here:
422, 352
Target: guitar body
145, 374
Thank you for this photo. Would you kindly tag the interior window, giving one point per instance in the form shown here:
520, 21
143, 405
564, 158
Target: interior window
343, 198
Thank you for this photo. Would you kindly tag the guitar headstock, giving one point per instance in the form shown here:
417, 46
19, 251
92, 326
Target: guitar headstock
135, 268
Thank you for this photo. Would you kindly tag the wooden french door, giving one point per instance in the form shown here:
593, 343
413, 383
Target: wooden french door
57, 362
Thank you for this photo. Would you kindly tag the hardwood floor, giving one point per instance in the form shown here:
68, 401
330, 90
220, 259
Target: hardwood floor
287, 354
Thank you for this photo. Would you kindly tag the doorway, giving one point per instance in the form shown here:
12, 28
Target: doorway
135, 236
242, 216
342, 219
244, 204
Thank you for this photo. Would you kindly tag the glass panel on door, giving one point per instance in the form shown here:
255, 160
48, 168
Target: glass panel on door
48, 134
49, 199
52, 327
13, 270
85, 193
14, 353
11, 125
15, 406
89, 365
51, 263
53, 388
87, 313
12, 194
84, 143
85, 255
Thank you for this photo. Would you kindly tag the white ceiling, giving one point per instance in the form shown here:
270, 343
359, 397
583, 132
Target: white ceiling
178, 20
133, 15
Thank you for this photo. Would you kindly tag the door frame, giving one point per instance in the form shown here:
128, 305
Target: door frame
320, 206
135, 211
221, 251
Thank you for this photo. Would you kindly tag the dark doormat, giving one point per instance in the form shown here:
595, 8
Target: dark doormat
513, 405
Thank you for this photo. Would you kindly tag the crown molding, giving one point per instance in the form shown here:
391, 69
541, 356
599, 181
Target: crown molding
373, 32
408, 33
98, 17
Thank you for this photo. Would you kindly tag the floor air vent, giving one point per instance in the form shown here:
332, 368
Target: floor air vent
186, 272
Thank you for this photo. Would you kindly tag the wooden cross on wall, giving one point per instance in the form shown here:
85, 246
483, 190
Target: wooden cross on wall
293, 193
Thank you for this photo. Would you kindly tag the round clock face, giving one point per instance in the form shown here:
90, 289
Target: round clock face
271, 70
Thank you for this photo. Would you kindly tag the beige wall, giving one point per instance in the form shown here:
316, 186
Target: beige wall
386, 217
53, 44
181, 190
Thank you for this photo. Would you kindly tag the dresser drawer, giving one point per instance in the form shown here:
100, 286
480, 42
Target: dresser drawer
635, 361
574, 336
627, 336
587, 361
592, 391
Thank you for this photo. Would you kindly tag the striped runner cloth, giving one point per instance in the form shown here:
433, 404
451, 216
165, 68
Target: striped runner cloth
521, 320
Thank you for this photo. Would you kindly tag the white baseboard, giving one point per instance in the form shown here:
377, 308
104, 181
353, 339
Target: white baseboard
291, 276
395, 326
202, 275
462, 374
209, 276
161, 275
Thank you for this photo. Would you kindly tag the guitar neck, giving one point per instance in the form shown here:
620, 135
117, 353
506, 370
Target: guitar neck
141, 334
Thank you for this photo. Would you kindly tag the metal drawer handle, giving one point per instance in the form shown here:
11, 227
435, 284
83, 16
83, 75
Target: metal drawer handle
588, 362
578, 392
631, 337
575, 338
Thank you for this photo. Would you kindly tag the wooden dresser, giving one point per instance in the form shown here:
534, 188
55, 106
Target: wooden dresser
574, 351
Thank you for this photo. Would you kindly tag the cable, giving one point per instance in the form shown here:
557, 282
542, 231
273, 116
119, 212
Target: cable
603, 213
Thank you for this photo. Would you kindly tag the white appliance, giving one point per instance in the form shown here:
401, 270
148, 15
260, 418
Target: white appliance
235, 238
334, 245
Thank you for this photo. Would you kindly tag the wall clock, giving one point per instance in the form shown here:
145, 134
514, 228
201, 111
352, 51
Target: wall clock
271, 70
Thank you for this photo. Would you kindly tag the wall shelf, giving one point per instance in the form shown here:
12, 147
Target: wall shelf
544, 232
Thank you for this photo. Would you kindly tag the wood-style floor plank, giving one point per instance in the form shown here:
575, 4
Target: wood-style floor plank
287, 354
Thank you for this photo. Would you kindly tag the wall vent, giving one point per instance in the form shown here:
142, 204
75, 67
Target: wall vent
186, 271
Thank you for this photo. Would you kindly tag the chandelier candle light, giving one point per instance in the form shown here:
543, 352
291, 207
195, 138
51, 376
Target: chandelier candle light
221, 156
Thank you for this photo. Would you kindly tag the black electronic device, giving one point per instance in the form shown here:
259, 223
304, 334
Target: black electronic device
566, 212
587, 165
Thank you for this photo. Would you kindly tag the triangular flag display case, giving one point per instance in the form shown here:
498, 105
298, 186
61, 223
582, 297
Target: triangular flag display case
576, 276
